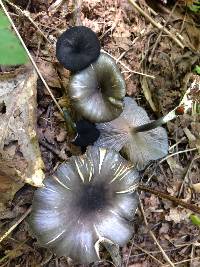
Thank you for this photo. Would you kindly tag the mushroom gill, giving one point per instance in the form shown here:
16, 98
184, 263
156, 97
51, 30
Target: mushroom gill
135, 135
97, 92
91, 197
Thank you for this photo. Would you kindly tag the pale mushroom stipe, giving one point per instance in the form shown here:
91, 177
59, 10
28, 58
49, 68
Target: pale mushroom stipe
89, 198
140, 139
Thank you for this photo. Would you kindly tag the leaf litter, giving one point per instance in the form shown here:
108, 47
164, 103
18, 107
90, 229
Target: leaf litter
125, 34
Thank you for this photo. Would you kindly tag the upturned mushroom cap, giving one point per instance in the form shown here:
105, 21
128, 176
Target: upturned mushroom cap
89, 198
77, 48
139, 147
97, 92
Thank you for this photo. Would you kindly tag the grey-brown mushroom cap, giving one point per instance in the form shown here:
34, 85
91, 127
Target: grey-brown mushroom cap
139, 147
97, 92
88, 198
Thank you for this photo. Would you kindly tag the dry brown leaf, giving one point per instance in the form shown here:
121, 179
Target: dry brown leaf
8, 187
19, 149
196, 187
61, 137
177, 215
176, 168
49, 73
147, 93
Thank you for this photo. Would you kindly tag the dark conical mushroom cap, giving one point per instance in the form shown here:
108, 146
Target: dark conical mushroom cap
89, 198
87, 133
77, 48
140, 147
97, 92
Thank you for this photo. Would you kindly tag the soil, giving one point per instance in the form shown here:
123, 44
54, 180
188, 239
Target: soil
124, 33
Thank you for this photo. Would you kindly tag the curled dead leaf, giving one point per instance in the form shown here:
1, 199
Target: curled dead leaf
19, 148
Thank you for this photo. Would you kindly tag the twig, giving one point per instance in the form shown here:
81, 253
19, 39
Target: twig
30, 57
124, 53
149, 254
129, 255
186, 175
178, 152
175, 200
136, 72
27, 15
55, 6
180, 141
11, 252
53, 150
154, 238
161, 31
77, 13
158, 252
156, 24
183, 261
169, 156
15, 225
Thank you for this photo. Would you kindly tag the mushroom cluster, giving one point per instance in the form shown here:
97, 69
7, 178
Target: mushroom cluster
93, 196
88, 199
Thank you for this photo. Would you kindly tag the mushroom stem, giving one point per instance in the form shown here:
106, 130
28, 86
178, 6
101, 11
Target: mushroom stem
154, 124
149, 126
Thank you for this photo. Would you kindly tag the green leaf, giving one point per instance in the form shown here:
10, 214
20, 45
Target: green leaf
195, 219
195, 7
11, 50
197, 69
4, 22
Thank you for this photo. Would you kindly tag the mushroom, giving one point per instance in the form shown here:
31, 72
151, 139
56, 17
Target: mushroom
97, 92
77, 48
87, 133
132, 133
91, 198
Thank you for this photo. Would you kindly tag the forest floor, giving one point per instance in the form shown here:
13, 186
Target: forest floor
138, 46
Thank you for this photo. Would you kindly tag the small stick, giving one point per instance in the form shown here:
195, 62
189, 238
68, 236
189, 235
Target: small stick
177, 153
186, 176
27, 15
175, 200
146, 252
153, 236
161, 32
77, 13
15, 225
156, 24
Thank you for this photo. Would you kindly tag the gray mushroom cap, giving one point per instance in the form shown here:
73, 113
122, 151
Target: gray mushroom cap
139, 147
88, 198
97, 92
